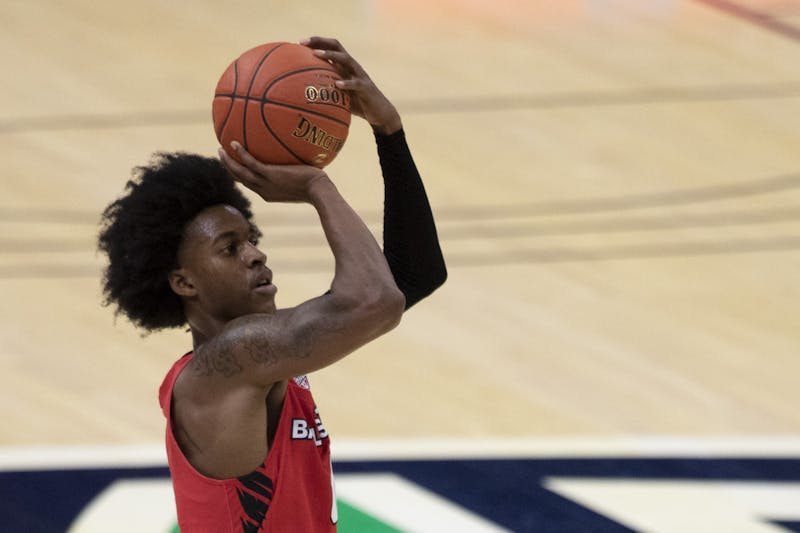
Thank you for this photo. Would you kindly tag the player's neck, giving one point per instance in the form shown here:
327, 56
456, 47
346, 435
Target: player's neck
203, 328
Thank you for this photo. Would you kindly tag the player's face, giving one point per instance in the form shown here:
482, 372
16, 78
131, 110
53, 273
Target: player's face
222, 262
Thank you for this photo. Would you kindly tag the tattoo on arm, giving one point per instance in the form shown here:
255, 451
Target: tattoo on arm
220, 356
221, 361
265, 350
260, 350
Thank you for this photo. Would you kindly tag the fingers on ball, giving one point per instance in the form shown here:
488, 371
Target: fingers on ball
340, 59
238, 171
353, 84
327, 43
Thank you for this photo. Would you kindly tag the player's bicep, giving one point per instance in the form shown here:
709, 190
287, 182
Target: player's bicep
257, 346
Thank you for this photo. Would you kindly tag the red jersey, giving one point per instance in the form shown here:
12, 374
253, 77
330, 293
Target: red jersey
291, 491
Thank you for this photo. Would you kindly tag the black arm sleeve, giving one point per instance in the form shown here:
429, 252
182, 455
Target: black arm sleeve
410, 242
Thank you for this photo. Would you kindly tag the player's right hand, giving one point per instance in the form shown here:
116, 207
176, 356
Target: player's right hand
366, 100
274, 183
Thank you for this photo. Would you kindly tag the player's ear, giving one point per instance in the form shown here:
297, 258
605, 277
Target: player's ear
181, 284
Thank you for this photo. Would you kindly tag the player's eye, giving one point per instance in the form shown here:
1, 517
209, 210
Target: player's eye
255, 236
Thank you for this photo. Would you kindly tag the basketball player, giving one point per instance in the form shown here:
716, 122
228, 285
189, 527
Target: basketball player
246, 445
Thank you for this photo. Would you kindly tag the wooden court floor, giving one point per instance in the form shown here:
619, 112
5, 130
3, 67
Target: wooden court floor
617, 186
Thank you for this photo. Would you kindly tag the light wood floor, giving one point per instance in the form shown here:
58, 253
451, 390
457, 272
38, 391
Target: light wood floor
617, 186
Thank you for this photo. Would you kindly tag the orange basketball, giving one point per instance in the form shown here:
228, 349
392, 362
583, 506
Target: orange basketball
279, 101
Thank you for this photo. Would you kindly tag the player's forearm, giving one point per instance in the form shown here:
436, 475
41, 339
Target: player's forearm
411, 243
361, 269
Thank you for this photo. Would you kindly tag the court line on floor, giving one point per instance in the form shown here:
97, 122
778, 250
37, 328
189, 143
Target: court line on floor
513, 255
22, 458
311, 236
456, 213
470, 223
471, 104
754, 17
642, 250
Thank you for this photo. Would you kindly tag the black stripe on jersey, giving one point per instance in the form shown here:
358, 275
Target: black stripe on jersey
255, 499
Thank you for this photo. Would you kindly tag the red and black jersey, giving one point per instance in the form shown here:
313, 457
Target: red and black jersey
291, 491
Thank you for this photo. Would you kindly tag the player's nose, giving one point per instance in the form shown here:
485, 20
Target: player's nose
254, 256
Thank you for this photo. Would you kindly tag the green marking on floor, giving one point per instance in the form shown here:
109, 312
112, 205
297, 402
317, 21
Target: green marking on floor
353, 520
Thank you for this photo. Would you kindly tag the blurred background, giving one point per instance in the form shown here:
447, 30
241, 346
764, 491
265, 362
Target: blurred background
616, 184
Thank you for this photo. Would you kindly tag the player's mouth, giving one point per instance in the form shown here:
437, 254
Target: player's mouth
264, 284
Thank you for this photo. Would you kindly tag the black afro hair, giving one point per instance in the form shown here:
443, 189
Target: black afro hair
141, 232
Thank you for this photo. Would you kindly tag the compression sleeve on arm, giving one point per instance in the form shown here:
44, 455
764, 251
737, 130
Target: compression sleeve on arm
410, 242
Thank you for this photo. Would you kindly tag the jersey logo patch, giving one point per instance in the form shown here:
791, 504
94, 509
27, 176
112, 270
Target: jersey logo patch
302, 382
303, 430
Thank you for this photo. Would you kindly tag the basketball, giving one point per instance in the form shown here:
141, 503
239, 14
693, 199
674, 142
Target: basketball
279, 101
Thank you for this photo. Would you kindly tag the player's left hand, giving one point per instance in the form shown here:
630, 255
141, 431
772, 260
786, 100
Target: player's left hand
366, 100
